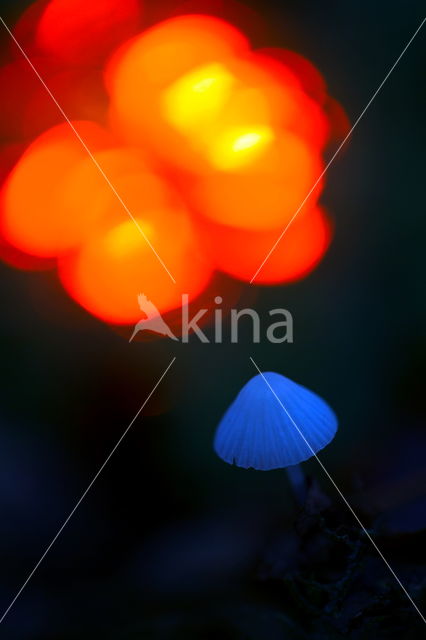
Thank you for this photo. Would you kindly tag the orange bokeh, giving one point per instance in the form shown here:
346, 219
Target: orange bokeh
35, 218
106, 274
201, 150
81, 31
262, 198
240, 252
132, 187
170, 49
140, 74
237, 125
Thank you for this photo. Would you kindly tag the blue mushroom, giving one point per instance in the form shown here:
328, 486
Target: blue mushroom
274, 423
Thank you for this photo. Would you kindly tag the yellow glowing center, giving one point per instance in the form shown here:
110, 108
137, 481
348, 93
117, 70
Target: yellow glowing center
246, 141
126, 238
197, 97
236, 148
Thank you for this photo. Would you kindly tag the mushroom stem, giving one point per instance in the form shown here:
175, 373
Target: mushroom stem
298, 482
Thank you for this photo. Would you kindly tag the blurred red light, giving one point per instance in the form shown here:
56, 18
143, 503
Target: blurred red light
211, 146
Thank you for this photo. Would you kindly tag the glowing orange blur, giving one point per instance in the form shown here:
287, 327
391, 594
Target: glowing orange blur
240, 252
265, 196
35, 217
106, 274
152, 82
211, 146
85, 189
76, 31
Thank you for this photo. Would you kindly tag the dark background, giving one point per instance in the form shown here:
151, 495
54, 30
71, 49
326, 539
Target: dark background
171, 542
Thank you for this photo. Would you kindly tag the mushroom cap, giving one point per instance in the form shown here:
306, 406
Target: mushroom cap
264, 432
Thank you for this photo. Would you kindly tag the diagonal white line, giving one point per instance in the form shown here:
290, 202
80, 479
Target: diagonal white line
92, 157
80, 500
339, 148
343, 497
